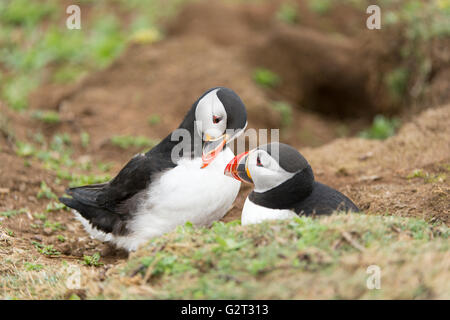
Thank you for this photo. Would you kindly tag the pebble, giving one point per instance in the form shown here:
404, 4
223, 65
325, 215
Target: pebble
37, 238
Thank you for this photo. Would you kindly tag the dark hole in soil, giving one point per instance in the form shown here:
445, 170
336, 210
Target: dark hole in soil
338, 100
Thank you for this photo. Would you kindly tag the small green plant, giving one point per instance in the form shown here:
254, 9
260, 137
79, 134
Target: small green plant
54, 226
320, 6
45, 192
85, 165
288, 13
397, 81
93, 260
24, 149
60, 141
125, 141
85, 139
39, 138
40, 216
154, 120
228, 244
68, 74
381, 128
83, 179
105, 167
12, 213
15, 91
266, 78
48, 250
285, 110
55, 206
417, 173
61, 238
49, 116
33, 267
427, 177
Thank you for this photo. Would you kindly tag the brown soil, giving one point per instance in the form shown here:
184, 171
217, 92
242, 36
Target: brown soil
212, 45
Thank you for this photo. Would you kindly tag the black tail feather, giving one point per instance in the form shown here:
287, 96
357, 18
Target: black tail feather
100, 218
87, 195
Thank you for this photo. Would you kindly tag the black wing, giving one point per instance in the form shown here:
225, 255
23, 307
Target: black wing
324, 200
108, 206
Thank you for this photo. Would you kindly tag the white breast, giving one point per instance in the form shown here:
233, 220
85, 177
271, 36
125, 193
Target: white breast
184, 193
253, 213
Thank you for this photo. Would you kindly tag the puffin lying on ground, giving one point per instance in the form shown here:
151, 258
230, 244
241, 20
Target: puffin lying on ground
284, 185
169, 185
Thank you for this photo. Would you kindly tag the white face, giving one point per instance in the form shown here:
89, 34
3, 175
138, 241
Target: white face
210, 116
265, 171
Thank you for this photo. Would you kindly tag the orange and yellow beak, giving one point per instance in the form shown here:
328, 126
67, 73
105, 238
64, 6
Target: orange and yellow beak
211, 148
237, 168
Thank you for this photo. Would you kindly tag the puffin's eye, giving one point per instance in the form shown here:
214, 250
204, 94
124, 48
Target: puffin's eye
258, 162
217, 119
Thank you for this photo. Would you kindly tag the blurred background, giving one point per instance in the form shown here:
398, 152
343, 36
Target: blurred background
309, 67
76, 105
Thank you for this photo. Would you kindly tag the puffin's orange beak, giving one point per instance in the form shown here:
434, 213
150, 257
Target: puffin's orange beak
212, 148
237, 168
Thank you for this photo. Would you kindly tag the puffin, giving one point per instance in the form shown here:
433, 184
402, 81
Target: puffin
179, 180
284, 185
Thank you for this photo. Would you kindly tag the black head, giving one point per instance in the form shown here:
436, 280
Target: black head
281, 175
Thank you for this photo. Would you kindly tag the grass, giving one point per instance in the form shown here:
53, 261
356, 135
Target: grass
320, 6
33, 267
41, 216
85, 139
382, 128
427, 177
397, 82
266, 78
43, 49
280, 260
54, 226
420, 22
288, 13
12, 213
55, 206
126, 141
24, 149
154, 120
272, 260
50, 117
56, 156
47, 250
22, 12
45, 192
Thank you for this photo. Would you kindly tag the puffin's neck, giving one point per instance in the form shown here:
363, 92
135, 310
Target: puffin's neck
167, 145
287, 194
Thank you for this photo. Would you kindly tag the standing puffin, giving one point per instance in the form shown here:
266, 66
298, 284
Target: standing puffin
168, 185
284, 185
